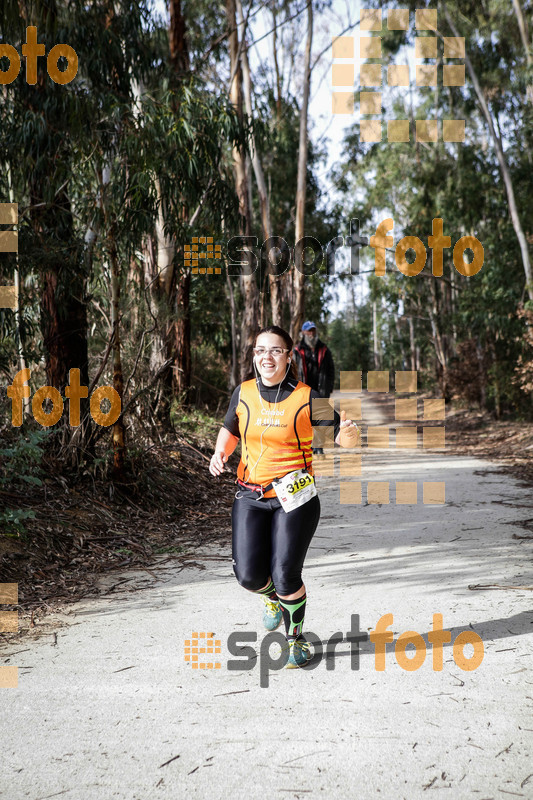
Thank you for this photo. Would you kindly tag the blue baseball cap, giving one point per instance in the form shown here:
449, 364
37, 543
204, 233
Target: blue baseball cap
308, 325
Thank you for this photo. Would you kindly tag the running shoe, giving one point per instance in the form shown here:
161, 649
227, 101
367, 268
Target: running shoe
299, 653
272, 614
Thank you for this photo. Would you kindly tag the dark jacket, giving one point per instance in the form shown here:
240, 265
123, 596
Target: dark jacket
316, 369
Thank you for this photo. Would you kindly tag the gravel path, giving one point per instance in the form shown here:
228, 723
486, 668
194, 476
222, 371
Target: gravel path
108, 707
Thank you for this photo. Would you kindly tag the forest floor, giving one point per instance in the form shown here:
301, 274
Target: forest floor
86, 528
506, 441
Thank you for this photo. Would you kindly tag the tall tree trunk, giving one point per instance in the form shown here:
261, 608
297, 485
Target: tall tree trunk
135, 282
157, 307
179, 333
248, 282
63, 306
273, 280
495, 380
438, 342
166, 248
299, 277
63, 310
234, 374
524, 35
480, 354
412, 343
119, 439
156, 279
375, 338
179, 52
276, 65
17, 311
110, 226
400, 339
156, 303
63, 292
453, 306
182, 371
513, 210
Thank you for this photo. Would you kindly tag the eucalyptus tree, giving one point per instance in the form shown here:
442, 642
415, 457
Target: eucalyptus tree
301, 182
462, 184
249, 287
480, 29
38, 142
264, 200
92, 167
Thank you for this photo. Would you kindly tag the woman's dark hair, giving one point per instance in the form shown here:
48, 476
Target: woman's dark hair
289, 344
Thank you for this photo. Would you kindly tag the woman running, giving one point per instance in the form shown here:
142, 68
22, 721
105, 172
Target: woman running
276, 509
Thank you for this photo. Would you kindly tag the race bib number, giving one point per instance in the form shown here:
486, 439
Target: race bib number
294, 489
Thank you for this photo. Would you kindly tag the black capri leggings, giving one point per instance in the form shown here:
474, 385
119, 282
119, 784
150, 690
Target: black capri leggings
268, 541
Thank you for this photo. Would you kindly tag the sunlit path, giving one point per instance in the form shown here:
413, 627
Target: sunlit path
114, 699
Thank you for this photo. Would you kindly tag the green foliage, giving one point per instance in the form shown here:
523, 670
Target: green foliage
209, 373
349, 339
23, 459
21, 466
461, 324
13, 519
194, 421
126, 141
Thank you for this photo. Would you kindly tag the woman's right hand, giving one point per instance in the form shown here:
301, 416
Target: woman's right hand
216, 465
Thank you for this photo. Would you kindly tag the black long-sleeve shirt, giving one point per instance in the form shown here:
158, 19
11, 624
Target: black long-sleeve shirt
321, 378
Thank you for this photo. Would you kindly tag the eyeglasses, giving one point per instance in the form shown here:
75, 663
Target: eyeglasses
274, 351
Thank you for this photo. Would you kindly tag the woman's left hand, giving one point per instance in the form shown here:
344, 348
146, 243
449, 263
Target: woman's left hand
349, 435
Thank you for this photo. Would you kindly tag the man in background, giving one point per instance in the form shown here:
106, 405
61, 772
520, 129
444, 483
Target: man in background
315, 365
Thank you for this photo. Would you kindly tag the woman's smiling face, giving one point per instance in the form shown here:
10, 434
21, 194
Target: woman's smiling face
271, 368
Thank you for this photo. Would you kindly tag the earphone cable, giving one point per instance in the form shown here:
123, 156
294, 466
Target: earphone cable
271, 416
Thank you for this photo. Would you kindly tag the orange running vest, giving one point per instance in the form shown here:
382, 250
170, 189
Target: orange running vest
287, 431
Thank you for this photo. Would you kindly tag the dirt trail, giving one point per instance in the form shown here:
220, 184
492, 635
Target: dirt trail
108, 707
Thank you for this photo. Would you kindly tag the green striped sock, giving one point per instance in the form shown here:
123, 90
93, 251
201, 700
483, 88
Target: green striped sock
293, 615
269, 591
